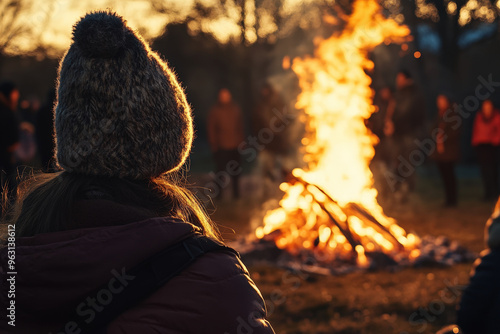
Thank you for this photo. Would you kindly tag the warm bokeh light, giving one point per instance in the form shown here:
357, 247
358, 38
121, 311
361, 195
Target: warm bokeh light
482, 10
417, 54
426, 10
451, 8
464, 17
286, 63
472, 4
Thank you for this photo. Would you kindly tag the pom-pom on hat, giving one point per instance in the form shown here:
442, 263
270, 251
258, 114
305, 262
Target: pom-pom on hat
120, 111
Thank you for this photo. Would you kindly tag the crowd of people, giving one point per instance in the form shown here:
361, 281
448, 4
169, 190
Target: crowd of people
406, 140
26, 133
9, 131
27, 138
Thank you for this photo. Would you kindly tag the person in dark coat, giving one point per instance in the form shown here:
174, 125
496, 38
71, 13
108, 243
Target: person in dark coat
480, 304
486, 141
447, 150
123, 130
382, 160
269, 120
9, 133
404, 125
44, 130
384, 98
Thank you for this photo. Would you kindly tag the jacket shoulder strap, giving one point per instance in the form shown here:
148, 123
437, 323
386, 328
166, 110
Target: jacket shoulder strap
143, 280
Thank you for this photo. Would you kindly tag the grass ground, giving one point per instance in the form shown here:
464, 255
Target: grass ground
411, 300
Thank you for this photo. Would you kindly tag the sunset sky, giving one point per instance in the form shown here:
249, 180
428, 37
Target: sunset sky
51, 21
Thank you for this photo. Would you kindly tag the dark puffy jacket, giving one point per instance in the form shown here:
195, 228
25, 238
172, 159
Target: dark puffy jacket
409, 112
55, 271
480, 304
451, 130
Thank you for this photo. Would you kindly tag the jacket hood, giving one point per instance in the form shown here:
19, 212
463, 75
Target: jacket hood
492, 228
55, 271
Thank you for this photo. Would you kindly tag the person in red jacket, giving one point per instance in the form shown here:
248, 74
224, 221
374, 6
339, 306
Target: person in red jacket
79, 238
486, 141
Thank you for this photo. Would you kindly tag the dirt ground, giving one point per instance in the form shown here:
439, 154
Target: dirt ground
411, 300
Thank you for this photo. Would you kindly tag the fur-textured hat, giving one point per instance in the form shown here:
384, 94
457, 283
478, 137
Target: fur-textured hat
120, 110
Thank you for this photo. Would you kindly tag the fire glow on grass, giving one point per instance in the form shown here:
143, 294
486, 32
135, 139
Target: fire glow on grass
331, 208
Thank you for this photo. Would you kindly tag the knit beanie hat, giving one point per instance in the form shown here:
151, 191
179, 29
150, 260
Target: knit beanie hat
120, 110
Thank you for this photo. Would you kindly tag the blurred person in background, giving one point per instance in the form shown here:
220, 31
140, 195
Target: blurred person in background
269, 119
447, 151
44, 130
9, 133
404, 124
25, 153
486, 141
376, 123
384, 99
28, 108
480, 304
225, 134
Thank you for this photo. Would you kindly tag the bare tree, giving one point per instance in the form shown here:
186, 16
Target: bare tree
19, 21
11, 24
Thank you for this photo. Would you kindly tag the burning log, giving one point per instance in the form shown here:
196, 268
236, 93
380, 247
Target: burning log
358, 210
345, 230
351, 209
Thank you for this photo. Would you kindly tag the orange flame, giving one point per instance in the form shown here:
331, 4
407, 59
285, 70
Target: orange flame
332, 207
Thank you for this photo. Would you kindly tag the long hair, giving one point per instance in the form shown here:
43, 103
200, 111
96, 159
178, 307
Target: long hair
44, 201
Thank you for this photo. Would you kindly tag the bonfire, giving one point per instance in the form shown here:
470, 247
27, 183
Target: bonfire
330, 208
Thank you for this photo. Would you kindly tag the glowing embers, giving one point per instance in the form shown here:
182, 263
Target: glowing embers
309, 219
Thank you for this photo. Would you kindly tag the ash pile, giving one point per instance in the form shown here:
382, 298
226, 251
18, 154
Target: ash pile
434, 252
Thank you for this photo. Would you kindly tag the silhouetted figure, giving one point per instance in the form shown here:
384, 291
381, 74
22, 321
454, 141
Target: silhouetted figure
9, 132
404, 123
383, 99
26, 151
225, 134
447, 151
486, 141
382, 160
271, 126
480, 304
28, 109
45, 132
